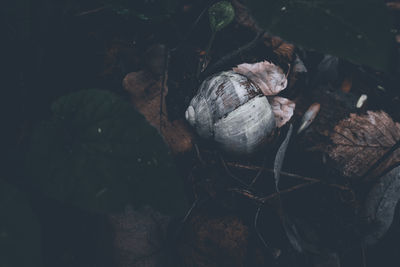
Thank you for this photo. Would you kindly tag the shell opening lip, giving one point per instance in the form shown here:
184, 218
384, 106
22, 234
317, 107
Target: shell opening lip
190, 115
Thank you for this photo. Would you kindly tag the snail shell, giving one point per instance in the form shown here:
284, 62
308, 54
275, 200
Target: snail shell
230, 109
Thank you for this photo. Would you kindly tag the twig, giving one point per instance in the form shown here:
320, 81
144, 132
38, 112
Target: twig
189, 212
260, 171
91, 11
247, 193
363, 256
166, 63
287, 174
221, 62
231, 174
193, 26
263, 200
381, 160
291, 189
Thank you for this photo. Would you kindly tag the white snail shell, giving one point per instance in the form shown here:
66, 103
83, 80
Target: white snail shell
230, 109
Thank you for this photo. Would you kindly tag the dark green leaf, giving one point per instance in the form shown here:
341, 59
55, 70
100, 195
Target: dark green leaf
98, 153
19, 230
357, 30
220, 15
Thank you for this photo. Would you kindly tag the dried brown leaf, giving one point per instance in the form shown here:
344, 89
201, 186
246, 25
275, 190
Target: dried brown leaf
267, 76
145, 91
360, 141
347, 84
283, 50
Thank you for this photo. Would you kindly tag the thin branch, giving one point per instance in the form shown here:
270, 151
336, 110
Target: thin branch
164, 78
291, 189
363, 255
263, 200
247, 194
92, 11
187, 35
287, 174
231, 174
190, 210
260, 171
224, 60
381, 159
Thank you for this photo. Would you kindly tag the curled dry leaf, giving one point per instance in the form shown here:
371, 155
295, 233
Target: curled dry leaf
145, 92
309, 117
361, 140
283, 109
381, 204
139, 237
267, 76
284, 50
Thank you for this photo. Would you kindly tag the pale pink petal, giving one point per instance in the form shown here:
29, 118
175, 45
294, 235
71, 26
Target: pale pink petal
267, 76
283, 109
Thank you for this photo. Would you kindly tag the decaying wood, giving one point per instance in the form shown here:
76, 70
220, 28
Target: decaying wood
145, 95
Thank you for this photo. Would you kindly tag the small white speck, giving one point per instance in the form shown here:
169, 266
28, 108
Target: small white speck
283, 8
149, 163
361, 101
99, 130
359, 36
139, 160
380, 87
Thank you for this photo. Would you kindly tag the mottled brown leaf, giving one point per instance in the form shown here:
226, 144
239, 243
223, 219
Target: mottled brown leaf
146, 96
360, 141
284, 50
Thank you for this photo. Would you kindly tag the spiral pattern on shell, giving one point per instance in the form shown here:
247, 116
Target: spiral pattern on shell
230, 109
